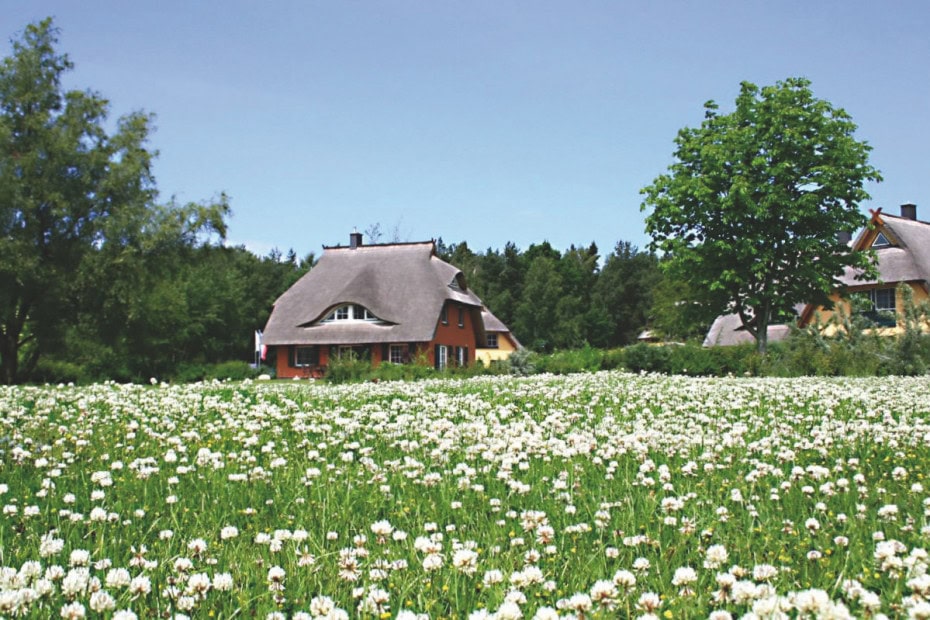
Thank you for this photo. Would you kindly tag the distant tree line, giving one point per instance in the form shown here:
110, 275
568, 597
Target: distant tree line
561, 300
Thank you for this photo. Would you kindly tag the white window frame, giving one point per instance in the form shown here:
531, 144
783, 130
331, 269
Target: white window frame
881, 296
397, 353
351, 312
492, 341
881, 241
443, 362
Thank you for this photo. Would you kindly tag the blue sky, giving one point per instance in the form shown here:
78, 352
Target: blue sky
484, 120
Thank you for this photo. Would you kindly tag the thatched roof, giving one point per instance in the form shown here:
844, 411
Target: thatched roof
403, 284
728, 330
494, 325
906, 260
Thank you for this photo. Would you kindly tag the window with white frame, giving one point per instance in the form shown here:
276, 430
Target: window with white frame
461, 317
397, 353
881, 241
883, 299
442, 357
461, 356
881, 306
350, 312
492, 341
444, 315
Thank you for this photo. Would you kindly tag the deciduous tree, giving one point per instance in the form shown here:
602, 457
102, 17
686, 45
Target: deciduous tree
77, 211
749, 211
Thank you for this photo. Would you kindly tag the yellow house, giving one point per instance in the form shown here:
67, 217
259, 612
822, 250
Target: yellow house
902, 247
500, 343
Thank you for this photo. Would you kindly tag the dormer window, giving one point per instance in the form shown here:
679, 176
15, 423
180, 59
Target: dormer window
458, 283
881, 241
350, 312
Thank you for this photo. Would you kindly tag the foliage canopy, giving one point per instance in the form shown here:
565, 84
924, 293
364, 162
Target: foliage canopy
749, 211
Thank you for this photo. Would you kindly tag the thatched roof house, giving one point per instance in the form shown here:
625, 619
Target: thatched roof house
389, 302
902, 248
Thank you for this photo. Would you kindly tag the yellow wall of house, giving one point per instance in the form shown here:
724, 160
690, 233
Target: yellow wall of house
920, 295
504, 348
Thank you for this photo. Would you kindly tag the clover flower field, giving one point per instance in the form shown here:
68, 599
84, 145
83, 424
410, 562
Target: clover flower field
589, 496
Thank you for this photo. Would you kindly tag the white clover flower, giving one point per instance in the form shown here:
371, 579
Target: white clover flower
197, 546
276, 574
492, 577
465, 561
508, 611
888, 512
684, 576
101, 601
648, 602
198, 584
546, 613
625, 579
117, 578
223, 582
75, 582
73, 611
140, 585
432, 562
764, 572
715, 556
322, 606
604, 594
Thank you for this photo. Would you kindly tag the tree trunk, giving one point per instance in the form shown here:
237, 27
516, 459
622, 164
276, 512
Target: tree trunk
762, 335
9, 357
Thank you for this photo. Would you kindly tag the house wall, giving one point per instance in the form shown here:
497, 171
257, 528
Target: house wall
505, 346
824, 316
451, 335
284, 370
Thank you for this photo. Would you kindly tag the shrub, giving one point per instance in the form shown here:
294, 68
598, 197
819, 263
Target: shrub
348, 368
189, 372
612, 359
642, 357
232, 370
402, 372
51, 370
522, 362
569, 361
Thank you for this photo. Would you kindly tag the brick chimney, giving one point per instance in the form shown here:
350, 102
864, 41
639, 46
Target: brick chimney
909, 211
355, 240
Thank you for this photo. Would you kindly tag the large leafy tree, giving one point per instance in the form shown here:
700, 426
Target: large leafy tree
77, 212
749, 212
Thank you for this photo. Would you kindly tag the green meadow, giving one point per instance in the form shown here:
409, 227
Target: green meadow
596, 495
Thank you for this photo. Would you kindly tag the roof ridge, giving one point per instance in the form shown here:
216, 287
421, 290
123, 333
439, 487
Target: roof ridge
904, 219
379, 245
